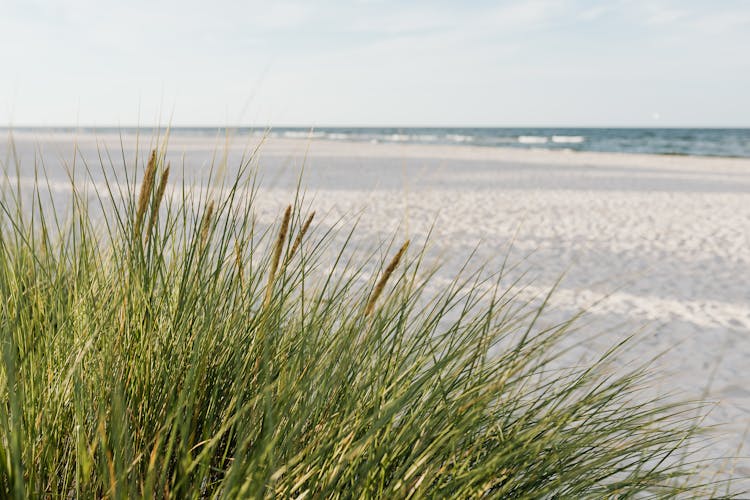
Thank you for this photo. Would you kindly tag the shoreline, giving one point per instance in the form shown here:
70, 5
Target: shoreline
468, 152
276, 145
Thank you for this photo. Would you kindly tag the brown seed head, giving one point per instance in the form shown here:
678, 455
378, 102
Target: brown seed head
156, 203
206, 223
239, 262
384, 279
278, 247
146, 187
300, 235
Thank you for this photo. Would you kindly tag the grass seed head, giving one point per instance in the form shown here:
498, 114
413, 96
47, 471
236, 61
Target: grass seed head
278, 247
157, 200
206, 223
239, 262
384, 279
147, 187
301, 235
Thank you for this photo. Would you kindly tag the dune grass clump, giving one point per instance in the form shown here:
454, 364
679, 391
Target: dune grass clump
161, 343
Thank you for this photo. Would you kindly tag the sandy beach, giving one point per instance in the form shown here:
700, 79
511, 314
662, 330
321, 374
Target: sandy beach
653, 244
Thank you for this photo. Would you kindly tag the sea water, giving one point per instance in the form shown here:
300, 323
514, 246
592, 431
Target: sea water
664, 141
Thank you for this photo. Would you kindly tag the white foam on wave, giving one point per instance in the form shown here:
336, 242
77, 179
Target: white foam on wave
298, 134
568, 139
459, 138
399, 137
532, 139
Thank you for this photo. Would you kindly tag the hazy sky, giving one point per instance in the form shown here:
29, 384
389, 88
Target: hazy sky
376, 62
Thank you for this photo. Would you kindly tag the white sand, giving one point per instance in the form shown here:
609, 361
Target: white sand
654, 242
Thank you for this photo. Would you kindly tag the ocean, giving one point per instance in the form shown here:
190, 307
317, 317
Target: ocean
700, 142
663, 141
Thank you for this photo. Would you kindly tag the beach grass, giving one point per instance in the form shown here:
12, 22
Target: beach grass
159, 341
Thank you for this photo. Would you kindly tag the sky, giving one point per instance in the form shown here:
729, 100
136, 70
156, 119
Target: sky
682, 63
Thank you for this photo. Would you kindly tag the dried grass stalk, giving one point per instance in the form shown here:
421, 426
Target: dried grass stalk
238, 250
157, 201
146, 187
276, 257
384, 279
206, 224
300, 235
